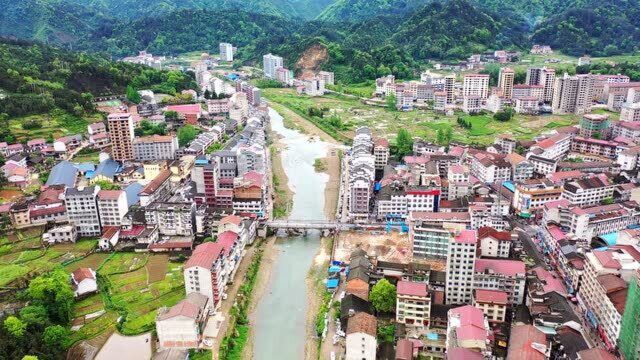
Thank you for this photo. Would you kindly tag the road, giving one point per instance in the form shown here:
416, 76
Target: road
526, 239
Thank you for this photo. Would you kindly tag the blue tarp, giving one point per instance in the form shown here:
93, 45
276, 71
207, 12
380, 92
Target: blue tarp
432, 336
509, 185
332, 283
334, 269
610, 239
85, 166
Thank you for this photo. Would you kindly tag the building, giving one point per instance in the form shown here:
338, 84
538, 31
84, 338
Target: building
82, 210
528, 342
603, 290
327, 77
204, 272
121, 135
459, 182
573, 94
493, 304
60, 234
314, 87
528, 105
172, 218
475, 85
494, 243
508, 276
226, 52
596, 147
361, 335
531, 195
271, 63
544, 77
521, 168
490, 168
155, 147
595, 126
467, 328
506, 78
84, 282
588, 191
182, 325
629, 342
528, 91
413, 305
112, 206
460, 263
381, 153
630, 112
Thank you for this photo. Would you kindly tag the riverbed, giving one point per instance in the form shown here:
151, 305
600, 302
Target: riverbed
280, 325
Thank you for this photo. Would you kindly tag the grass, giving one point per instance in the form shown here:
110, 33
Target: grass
200, 354
282, 202
56, 124
420, 123
319, 165
91, 156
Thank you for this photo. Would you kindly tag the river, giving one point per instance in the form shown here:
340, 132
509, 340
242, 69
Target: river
280, 327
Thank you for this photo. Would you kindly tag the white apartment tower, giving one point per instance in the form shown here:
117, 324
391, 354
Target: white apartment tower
573, 94
226, 52
459, 272
82, 210
505, 81
271, 63
544, 77
112, 205
476, 85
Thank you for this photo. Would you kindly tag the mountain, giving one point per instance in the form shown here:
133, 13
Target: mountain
598, 28
358, 10
455, 28
38, 78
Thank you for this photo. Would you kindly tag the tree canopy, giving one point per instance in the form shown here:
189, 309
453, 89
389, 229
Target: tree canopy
383, 296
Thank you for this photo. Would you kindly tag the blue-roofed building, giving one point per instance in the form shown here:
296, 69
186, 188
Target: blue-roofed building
63, 173
106, 171
332, 283
132, 192
609, 239
85, 167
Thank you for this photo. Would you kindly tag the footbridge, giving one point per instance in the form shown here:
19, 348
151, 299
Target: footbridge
309, 225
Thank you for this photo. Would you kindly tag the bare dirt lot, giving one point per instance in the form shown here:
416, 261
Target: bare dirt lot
393, 246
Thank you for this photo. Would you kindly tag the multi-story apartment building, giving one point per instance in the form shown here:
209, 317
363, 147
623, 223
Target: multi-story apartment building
630, 112
595, 126
449, 88
475, 85
527, 105
521, 168
460, 263
603, 290
544, 77
112, 206
617, 94
430, 240
531, 195
493, 243
458, 178
506, 78
271, 63
155, 147
205, 272
251, 158
588, 191
413, 305
82, 210
172, 218
493, 304
381, 153
573, 94
361, 337
121, 135
327, 76
508, 276
468, 334
596, 147
226, 52
554, 147
528, 91
249, 194
489, 168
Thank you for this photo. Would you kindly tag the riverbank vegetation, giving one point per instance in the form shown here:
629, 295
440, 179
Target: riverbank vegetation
319, 165
282, 202
479, 129
233, 343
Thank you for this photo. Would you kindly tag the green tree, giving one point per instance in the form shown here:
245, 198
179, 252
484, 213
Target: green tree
133, 95
383, 296
404, 143
504, 115
171, 115
391, 102
35, 315
386, 333
53, 291
186, 134
56, 336
105, 185
15, 326
207, 94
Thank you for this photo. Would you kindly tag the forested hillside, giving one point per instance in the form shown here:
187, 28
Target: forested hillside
37, 79
359, 10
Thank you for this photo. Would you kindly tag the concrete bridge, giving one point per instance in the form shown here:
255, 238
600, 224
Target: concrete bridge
309, 225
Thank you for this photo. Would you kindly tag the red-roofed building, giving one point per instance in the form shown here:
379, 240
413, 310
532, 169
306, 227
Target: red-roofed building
468, 328
527, 343
493, 303
502, 275
404, 350
205, 273
413, 305
494, 243
182, 325
84, 282
190, 112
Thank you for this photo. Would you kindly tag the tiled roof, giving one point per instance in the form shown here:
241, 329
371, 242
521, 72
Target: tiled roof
83, 273
412, 288
491, 296
205, 255
467, 237
110, 194
362, 323
504, 267
487, 231
521, 343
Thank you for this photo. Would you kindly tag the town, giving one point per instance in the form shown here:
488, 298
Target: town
163, 212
